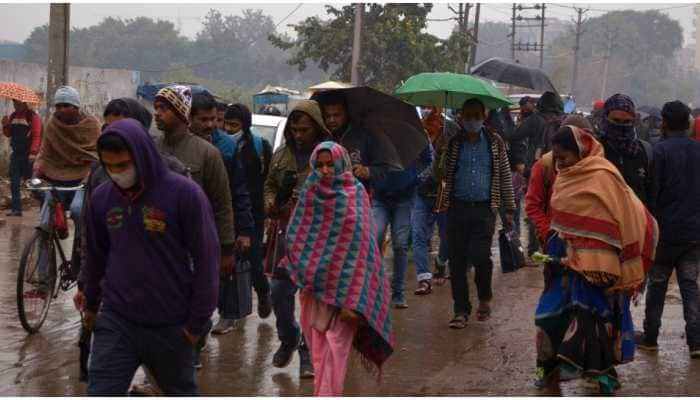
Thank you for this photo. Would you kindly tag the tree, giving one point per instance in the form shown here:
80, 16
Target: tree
394, 44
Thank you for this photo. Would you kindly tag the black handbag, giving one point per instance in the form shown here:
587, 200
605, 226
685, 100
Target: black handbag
242, 297
512, 257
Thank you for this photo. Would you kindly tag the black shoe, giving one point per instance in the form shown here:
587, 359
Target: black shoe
644, 343
283, 355
14, 213
264, 305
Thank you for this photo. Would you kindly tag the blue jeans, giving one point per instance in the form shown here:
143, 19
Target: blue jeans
120, 346
398, 214
20, 168
423, 224
75, 201
686, 261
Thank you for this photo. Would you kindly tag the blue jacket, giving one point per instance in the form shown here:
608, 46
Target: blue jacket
152, 258
401, 185
677, 205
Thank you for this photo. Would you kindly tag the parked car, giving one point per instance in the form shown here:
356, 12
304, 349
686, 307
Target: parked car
270, 127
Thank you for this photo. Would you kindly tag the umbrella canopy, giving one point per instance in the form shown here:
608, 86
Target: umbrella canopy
382, 114
19, 92
650, 111
329, 85
446, 89
503, 71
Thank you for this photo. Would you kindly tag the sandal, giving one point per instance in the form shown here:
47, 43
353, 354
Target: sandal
424, 287
483, 313
458, 322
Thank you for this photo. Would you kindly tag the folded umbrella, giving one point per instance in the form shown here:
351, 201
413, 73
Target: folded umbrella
19, 92
504, 71
383, 114
450, 90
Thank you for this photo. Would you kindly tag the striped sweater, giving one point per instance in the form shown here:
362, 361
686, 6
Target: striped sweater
502, 197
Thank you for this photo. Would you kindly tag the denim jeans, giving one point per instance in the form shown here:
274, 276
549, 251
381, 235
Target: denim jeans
398, 215
74, 200
686, 261
20, 168
120, 346
423, 224
283, 303
260, 283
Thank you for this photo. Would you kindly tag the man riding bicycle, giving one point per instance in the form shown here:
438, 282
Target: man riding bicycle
68, 149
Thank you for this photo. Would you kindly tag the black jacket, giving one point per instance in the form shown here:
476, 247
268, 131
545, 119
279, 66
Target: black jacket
255, 173
638, 171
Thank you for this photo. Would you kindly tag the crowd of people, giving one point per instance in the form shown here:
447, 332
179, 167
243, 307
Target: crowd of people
167, 225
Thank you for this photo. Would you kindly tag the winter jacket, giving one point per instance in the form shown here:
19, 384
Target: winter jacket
257, 168
240, 197
401, 186
677, 197
638, 171
372, 150
502, 196
24, 131
207, 168
532, 129
152, 258
538, 198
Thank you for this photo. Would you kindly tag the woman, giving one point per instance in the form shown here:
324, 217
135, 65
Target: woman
601, 247
333, 258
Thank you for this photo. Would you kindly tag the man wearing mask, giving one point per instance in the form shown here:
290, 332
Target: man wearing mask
203, 119
677, 199
288, 171
373, 156
23, 127
151, 275
255, 153
478, 187
632, 156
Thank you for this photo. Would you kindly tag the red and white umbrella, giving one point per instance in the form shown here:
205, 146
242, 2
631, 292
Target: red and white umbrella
19, 92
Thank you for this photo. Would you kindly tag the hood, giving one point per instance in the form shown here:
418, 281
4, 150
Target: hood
150, 166
550, 103
313, 110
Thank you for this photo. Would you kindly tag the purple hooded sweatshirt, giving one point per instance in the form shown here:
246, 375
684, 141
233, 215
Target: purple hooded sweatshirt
154, 259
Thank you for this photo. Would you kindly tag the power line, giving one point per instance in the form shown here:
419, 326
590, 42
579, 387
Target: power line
224, 56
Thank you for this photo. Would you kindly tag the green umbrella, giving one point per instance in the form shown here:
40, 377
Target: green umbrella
449, 90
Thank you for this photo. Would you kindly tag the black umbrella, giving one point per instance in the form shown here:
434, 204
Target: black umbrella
382, 114
504, 71
650, 110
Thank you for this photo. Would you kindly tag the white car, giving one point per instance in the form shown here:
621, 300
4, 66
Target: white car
270, 128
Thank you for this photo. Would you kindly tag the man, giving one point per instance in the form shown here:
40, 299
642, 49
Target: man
478, 185
527, 108
152, 269
596, 116
373, 156
632, 157
220, 111
23, 127
536, 132
289, 168
392, 204
203, 124
677, 199
255, 153
426, 212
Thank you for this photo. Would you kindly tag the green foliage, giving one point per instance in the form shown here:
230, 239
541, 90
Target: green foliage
394, 44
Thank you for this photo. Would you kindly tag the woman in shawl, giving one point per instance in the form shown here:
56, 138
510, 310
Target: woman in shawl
601, 247
333, 258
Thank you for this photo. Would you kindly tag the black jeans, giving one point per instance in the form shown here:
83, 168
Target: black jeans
260, 282
685, 259
470, 229
20, 168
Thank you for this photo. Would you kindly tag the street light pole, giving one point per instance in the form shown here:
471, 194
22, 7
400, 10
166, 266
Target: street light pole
59, 31
356, 43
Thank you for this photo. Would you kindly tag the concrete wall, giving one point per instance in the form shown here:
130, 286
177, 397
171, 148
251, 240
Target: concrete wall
96, 86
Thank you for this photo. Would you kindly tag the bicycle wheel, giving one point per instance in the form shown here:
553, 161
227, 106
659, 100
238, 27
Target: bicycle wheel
35, 287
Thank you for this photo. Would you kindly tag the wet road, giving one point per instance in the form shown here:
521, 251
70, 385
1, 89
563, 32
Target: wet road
487, 358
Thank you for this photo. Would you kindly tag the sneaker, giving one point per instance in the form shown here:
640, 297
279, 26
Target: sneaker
224, 326
695, 354
264, 306
644, 343
306, 370
283, 355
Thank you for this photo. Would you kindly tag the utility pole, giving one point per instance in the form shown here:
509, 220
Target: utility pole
579, 32
610, 35
59, 30
475, 42
512, 36
542, 38
356, 43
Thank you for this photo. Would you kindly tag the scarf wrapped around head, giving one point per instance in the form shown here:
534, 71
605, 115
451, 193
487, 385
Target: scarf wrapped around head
611, 237
622, 137
333, 254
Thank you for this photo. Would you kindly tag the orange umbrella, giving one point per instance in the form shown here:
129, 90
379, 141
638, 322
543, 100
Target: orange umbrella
19, 92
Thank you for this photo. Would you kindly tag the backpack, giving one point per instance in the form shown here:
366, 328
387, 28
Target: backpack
257, 144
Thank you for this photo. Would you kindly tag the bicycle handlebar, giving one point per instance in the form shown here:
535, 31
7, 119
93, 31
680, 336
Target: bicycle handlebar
34, 185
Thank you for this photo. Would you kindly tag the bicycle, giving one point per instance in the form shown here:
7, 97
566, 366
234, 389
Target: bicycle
38, 271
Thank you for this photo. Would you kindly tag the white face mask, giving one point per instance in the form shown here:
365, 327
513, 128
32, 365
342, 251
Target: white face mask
125, 180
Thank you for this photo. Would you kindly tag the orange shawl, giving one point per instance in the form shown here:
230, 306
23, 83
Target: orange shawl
611, 237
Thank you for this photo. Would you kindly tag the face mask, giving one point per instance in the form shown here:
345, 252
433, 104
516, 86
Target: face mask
125, 180
473, 126
620, 130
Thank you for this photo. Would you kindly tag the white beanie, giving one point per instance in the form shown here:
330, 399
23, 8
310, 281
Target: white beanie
67, 95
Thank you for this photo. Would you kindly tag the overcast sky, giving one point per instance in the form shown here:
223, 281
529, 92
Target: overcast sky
18, 20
